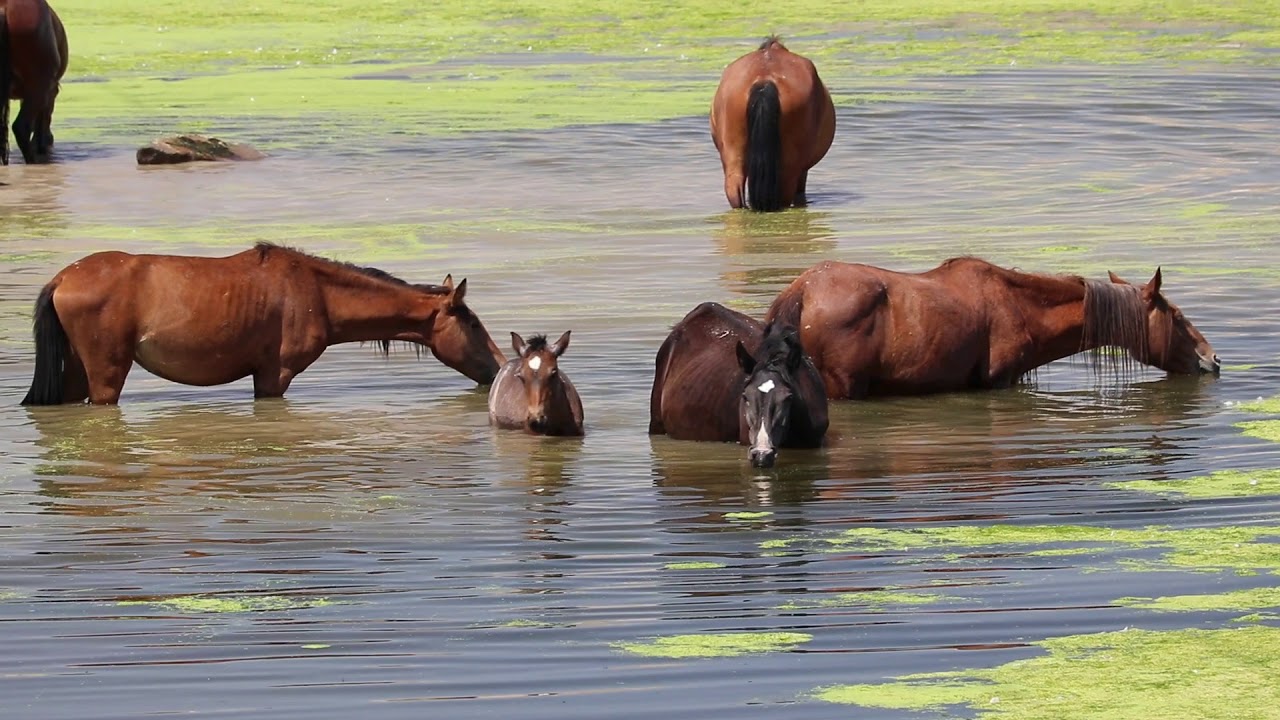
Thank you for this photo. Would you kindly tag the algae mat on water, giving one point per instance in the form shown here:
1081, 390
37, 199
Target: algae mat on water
715, 644
401, 66
1207, 674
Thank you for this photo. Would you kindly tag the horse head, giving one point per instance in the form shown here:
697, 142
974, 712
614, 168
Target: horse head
1173, 344
459, 339
539, 374
770, 391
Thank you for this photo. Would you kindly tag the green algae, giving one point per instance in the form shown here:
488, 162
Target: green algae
747, 515
6, 595
1270, 406
873, 600
1199, 210
1218, 484
1261, 429
1253, 599
218, 604
1243, 549
1257, 617
1206, 674
315, 646
715, 644
1238, 368
694, 565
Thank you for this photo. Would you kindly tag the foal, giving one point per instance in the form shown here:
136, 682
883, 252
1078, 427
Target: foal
531, 392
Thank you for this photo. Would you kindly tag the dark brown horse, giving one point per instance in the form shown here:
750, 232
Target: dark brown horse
268, 312
531, 392
968, 324
722, 376
33, 59
772, 120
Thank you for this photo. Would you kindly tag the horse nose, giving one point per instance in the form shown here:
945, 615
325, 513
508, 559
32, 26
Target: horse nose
538, 423
763, 458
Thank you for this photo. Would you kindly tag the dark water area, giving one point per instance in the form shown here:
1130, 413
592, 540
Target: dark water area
378, 550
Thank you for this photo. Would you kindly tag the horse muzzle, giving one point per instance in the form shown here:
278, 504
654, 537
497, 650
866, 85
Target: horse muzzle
762, 457
1210, 364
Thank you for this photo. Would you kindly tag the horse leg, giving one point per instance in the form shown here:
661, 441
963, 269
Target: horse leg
22, 132
800, 198
105, 377
272, 382
75, 382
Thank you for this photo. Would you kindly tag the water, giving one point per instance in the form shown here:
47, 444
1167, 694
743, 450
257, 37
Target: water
430, 564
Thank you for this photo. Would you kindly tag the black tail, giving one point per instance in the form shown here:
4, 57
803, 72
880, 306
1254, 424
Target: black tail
764, 147
6, 82
52, 348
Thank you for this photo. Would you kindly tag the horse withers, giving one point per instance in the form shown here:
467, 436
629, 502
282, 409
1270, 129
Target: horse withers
969, 324
532, 393
33, 59
722, 376
772, 120
268, 312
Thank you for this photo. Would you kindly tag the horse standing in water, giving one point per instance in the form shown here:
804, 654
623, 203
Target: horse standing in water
268, 312
968, 324
531, 392
772, 120
33, 59
722, 376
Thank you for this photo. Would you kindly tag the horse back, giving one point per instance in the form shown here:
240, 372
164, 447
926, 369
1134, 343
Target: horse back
506, 398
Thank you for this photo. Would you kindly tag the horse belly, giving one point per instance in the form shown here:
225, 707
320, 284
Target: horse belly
190, 363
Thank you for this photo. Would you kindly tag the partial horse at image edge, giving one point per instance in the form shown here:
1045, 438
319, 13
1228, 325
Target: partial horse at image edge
33, 60
772, 120
969, 324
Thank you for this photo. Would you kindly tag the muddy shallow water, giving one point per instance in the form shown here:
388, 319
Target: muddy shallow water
376, 549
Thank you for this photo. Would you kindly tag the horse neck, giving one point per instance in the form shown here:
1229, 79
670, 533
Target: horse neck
361, 308
1050, 311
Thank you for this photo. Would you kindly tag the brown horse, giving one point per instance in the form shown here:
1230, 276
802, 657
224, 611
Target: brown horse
968, 324
268, 312
531, 392
772, 120
722, 376
33, 59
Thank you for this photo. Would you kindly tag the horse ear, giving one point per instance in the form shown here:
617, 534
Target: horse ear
1116, 278
795, 353
561, 345
768, 328
459, 293
448, 282
517, 344
745, 361
1154, 285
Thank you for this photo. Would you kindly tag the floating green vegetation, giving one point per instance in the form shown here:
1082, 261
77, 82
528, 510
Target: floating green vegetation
694, 565
1254, 599
747, 515
315, 646
1243, 549
1238, 368
6, 595
1062, 249
526, 623
206, 604
1269, 406
715, 644
1218, 484
873, 600
1206, 674
1199, 210
1257, 617
1262, 429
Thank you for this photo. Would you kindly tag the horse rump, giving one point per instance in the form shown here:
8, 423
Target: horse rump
764, 147
52, 348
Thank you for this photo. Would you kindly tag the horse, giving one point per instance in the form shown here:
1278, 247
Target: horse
267, 312
722, 376
968, 324
532, 393
772, 120
33, 59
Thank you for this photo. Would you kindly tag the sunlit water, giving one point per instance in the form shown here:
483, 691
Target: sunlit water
471, 573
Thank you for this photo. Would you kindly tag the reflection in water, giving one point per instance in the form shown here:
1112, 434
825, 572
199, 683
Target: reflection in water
718, 476
544, 466
793, 239
31, 205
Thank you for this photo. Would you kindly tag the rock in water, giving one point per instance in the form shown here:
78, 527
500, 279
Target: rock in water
191, 148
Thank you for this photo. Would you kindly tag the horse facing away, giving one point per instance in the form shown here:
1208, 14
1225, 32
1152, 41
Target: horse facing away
33, 59
968, 324
723, 376
268, 312
772, 120
532, 393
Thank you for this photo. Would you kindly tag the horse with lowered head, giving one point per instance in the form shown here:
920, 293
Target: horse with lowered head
33, 59
969, 324
772, 120
722, 376
268, 312
532, 393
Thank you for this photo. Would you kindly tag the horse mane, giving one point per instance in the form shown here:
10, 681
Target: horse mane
1114, 315
536, 343
769, 41
777, 345
788, 307
266, 248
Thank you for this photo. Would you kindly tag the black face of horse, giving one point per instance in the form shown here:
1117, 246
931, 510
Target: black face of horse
768, 397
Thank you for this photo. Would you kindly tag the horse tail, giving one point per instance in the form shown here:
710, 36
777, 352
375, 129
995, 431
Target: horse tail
52, 349
6, 83
764, 147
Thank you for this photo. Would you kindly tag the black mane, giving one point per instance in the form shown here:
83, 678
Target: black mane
779, 342
536, 343
265, 248
769, 41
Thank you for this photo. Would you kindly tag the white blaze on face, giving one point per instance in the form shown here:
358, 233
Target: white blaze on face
762, 439
766, 386
535, 362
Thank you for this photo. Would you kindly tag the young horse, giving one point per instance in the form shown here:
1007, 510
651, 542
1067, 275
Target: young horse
268, 312
968, 324
532, 393
33, 59
721, 376
772, 120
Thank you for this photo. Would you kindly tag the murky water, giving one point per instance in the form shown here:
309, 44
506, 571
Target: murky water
407, 559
